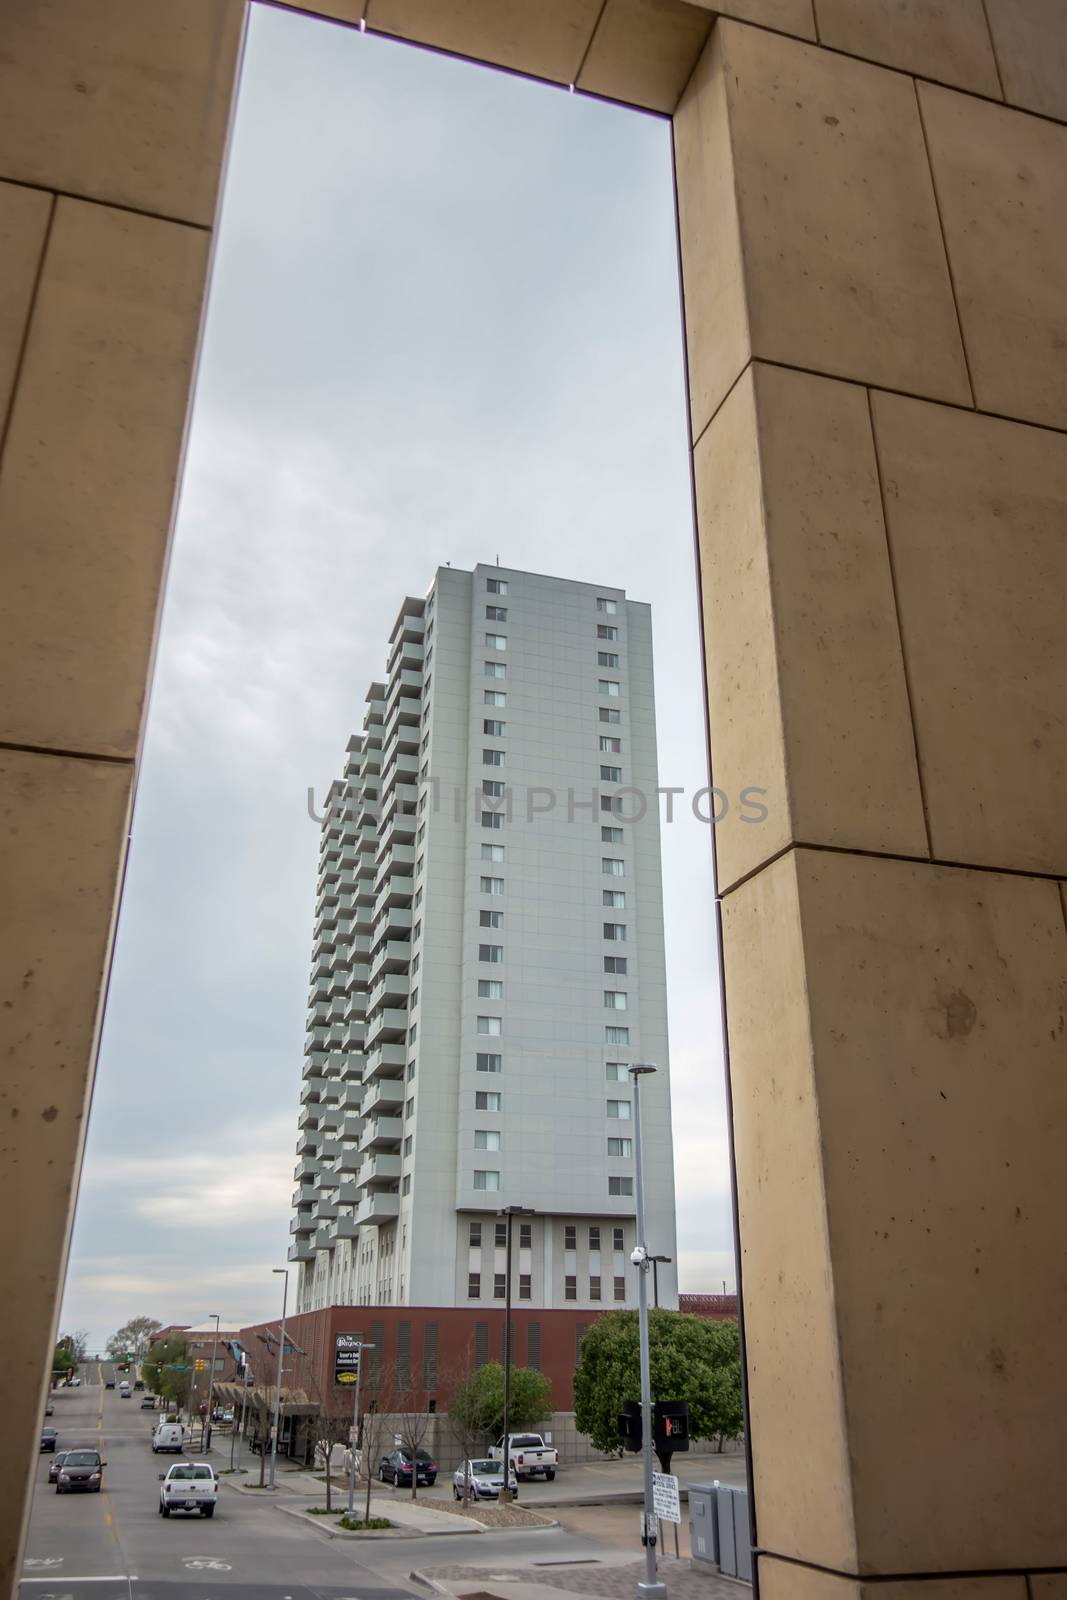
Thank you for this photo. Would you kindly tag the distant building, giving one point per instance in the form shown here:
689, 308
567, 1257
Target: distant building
719, 1307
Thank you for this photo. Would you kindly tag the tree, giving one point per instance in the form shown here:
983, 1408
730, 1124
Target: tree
166, 1372
479, 1400
330, 1430
470, 1417
63, 1361
77, 1343
132, 1337
690, 1358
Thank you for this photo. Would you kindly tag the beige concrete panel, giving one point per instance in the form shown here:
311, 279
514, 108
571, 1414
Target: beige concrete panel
62, 840
1001, 179
547, 39
88, 475
937, 999
799, 1442
644, 51
1048, 1586
120, 101
806, 687
943, 39
713, 286
24, 217
976, 510
787, 16
780, 1580
845, 267
1030, 39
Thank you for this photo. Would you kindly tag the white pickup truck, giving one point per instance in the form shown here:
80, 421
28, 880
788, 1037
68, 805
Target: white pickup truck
188, 1486
530, 1456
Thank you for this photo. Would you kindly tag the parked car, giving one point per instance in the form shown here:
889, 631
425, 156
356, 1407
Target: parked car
83, 1469
54, 1465
486, 1479
529, 1455
188, 1486
148, 1402
168, 1436
48, 1438
396, 1468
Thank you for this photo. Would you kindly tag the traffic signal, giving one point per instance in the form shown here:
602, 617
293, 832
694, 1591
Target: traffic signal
630, 1425
671, 1429
200, 1365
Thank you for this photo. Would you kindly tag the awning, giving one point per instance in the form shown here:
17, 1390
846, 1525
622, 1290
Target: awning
260, 1397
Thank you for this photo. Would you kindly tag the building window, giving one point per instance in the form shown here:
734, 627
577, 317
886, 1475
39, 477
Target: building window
525, 1235
615, 931
418, 898
491, 885
493, 789
594, 1288
490, 989
615, 999
496, 613
494, 697
611, 835
492, 819
411, 1070
610, 774
491, 952
609, 714
607, 658
414, 997
616, 1035
493, 758
486, 1139
496, 641
606, 607
490, 919
570, 1236
620, 1288
499, 1285
486, 1180
492, 852
495, 728
475, 1234
413, 1033
497, 669
620, 1186
407, 1145
415, 963
474, 1285
613, 866
610, 745
501, 1235
496, 585
416, 931
615, 964
616, 898
616, 1071
486, 1100
490, 1025
594, 1238
525, 1286
409, 1109
606, 686
606, 630
612, 803
624, 1148
405, 1186
489, 1063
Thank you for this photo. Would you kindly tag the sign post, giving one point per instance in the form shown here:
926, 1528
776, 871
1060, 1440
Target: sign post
347, 1373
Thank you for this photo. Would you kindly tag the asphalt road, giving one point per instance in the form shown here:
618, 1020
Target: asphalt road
115, 1546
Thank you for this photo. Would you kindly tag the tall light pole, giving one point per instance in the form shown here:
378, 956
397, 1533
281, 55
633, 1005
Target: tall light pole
658, 1261
284, 1272
651, 1589
355, 1436
511, 1212
206, 1429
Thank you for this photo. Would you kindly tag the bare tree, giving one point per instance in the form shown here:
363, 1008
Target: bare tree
373, 1435
329, 1430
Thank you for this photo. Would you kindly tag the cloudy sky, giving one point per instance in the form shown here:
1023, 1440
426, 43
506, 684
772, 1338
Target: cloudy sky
443, 326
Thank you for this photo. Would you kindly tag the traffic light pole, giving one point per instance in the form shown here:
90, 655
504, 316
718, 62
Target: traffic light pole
651, 1589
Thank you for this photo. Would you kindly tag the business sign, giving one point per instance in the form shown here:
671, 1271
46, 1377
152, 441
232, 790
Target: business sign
347, 1348
666, 1502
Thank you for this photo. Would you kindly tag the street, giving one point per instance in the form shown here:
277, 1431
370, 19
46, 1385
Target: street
114, 1545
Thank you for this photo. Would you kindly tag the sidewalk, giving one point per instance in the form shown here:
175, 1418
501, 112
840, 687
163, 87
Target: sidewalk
607, 1581
296, 1491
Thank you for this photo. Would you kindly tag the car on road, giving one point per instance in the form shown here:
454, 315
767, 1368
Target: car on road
148, 1402
54, 1465
138, 1383
83, 1469
49, 1409
396, 1468
168, 1436
485, 1477
48, 1438
109, 1383
189, 1486
74, 1383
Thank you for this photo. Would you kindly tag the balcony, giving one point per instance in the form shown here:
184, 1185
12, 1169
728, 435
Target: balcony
380, 1168
388, 1061
301, 1251
306, 1168
395, 894
388, 1027
308, 1141
391, 989
322, 1240
378, 1207
311, 1088
396, 857
384, 1098
327, 1210
345, 1228
302, 1224
308, 1118
348, 1162
381, 1132
348, 1193
306, 1195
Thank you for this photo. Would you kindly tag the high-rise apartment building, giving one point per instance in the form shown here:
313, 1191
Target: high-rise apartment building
488, 960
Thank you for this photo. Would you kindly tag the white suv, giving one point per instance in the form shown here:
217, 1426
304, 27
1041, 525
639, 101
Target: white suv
188, 1486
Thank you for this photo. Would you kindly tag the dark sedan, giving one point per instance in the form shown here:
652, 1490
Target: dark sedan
48, 1438
396, 1468
83, 1469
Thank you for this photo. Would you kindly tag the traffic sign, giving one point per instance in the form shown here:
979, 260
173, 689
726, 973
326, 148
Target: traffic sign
666, 1502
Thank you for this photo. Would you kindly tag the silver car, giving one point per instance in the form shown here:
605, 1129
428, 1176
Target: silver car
486, 1479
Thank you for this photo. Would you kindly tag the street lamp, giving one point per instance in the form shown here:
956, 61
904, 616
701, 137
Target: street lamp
284, 1272
511, 1212
206, 1429
658, 1261
651, 1589
355, 1437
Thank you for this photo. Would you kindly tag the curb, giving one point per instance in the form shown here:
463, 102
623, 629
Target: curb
416, 1576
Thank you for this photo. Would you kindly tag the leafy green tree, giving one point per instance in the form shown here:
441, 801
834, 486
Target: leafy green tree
159, 1375
478, 1402
63, 1360
132, 1337
690, 1358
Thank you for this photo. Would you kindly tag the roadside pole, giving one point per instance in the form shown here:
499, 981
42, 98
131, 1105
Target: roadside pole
284, 1271
355, 1434
206, 1429
651, 1589
241, 1433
